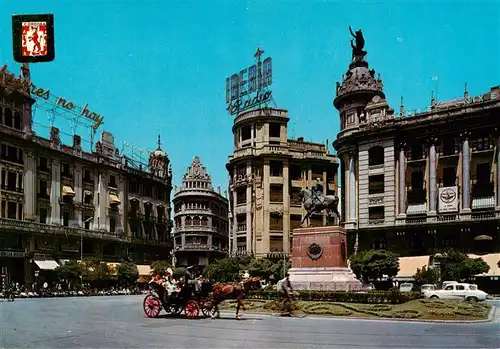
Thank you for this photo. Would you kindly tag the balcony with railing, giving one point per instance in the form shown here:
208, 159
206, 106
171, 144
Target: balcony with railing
18, 226
483, 196
12, 188
417, 202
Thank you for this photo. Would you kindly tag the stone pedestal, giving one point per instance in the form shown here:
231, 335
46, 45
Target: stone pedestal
319, 260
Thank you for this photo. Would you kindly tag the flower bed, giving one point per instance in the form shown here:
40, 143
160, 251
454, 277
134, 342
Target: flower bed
416, 309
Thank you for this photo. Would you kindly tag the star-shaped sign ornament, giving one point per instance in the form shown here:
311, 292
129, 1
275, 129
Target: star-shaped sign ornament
258, 53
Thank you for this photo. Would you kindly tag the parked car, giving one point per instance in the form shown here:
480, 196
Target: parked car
406, 287
457, 291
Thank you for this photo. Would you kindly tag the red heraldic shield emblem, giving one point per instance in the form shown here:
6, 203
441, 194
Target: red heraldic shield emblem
33, 38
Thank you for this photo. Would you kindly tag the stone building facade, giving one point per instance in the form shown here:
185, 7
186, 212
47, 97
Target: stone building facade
266, 173
61, 203
422, 183
201, 219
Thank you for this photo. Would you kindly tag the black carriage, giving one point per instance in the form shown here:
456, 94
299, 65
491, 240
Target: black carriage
188, 300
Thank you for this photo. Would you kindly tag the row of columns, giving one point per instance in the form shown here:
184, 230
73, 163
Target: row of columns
350, 186
350, 176
251, 242
465, 182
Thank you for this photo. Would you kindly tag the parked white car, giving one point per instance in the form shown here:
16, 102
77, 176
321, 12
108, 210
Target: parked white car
457, 291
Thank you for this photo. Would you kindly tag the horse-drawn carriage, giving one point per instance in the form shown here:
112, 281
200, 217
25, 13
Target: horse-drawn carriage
188, 300
195, 296
192, 298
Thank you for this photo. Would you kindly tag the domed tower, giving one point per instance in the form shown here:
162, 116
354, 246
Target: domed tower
201, 219
359, 86
158, 162
361, 103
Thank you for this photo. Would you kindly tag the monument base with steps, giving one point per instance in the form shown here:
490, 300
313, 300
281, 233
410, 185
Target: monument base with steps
324, 279
319, 260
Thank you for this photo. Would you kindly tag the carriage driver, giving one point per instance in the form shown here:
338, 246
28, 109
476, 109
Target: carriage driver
190, 279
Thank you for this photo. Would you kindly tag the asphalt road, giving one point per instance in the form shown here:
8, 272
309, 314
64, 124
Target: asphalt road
118, 322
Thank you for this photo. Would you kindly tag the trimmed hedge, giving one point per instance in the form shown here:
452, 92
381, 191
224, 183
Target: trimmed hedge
370, 297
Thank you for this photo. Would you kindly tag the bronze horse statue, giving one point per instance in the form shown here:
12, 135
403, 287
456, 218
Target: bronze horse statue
317, 202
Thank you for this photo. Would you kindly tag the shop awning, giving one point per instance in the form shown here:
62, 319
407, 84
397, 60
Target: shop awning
144, 273
144, 270
408, 266
114, 200
491, 259
47, 264
67, 191
483, 238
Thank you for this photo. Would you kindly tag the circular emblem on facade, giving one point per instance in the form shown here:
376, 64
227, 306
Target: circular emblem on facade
448, 195
314, 251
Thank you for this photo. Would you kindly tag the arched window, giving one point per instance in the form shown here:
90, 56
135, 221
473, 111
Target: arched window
376, 156
7, 117
188, 221
204, 221
17, 120
196, 221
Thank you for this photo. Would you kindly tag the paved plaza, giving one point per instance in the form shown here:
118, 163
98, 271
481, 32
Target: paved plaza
118, 322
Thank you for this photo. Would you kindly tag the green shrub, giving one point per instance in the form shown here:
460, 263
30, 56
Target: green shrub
372, 297
406, 314
441, 312
470, 313
376, 307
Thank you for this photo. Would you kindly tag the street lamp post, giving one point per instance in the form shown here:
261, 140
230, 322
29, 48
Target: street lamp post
81, 249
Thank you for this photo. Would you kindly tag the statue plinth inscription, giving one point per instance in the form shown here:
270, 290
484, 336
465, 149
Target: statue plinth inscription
319, 260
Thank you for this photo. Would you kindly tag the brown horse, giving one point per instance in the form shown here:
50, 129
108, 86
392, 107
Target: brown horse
222, 292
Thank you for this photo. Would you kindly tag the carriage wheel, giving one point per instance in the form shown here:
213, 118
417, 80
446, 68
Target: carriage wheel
151, 306
206, 308
192, 310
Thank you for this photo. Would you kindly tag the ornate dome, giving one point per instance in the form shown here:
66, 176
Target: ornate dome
197, 176
358, 79
158, 160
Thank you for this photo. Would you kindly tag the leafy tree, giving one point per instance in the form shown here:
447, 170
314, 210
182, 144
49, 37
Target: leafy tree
262, 268
71, 272
95, 271
178, 273
426, 276
160, 267
266, 268
223, 270
458, 266
127, 273
374, 264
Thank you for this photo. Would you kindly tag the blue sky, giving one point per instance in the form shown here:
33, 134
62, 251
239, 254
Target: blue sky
159, 67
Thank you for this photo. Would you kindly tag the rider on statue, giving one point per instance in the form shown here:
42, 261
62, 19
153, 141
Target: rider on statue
317, 191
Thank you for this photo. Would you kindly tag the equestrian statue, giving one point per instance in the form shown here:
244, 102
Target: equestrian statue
314, 201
